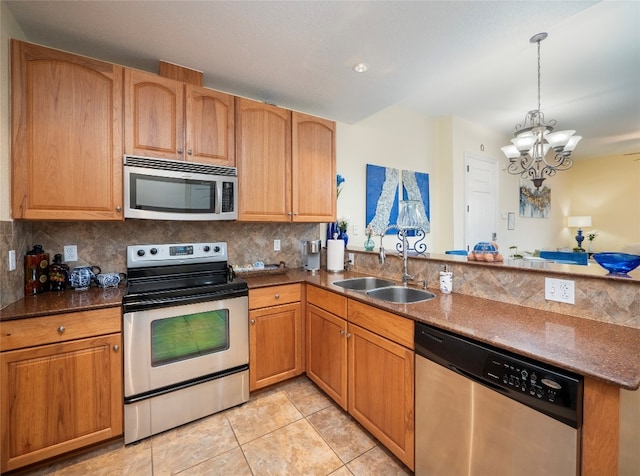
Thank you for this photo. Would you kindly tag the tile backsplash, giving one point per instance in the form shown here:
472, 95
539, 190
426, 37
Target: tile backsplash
104, 243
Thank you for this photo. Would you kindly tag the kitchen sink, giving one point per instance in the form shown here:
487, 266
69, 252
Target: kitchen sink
400, 294
364, 284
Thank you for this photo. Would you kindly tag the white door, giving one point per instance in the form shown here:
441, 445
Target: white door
481, 192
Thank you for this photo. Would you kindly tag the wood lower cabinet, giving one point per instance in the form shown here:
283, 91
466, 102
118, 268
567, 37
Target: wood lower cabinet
64, 394
170, 119
366, 364
286, 164
275, 335
381, 390
66, 136
327, 353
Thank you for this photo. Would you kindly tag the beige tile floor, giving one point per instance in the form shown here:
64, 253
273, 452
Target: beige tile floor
289, 429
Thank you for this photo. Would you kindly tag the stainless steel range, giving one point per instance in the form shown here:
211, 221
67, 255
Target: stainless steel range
186, 338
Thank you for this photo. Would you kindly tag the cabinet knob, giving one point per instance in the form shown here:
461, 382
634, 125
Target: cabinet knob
180, 150
118, 209
189, 151
116, 348
277, 296
342, 332
253, 322
348, 335
61, 329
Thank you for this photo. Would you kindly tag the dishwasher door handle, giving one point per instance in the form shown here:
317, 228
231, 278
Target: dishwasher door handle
472, 377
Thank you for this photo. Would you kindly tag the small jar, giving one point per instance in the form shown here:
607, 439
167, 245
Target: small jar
58, 274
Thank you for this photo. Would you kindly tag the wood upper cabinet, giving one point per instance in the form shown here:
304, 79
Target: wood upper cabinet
64, 394
313, 168
275, 335
169, 119
286, 164
66, 136
263, 158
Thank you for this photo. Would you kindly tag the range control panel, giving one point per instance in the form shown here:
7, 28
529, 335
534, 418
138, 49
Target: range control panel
141, 256
526, 379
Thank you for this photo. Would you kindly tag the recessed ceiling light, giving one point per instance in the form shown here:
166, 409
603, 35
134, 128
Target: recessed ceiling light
361, 67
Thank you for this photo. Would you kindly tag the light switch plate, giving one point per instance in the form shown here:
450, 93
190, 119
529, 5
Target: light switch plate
12, 260
276, 245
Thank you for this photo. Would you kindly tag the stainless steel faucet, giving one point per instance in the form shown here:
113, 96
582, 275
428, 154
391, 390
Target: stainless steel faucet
406, 277
382, 255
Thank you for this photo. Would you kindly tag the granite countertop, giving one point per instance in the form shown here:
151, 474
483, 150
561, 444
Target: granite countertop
62, 301
591, 348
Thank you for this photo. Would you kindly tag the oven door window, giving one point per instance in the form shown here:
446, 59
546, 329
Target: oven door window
176, 195
186, 337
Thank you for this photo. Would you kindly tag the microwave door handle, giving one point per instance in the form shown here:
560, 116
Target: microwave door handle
218, 207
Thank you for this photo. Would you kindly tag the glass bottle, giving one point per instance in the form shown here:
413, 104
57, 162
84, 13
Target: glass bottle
58, 274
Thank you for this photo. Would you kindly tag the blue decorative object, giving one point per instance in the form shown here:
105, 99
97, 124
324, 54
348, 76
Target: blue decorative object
617, 263
342, 235
332, 228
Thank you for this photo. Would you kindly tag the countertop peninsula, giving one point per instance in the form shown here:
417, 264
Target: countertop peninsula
607, 352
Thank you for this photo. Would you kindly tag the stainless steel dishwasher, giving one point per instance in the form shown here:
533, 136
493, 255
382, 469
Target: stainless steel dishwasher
484, 411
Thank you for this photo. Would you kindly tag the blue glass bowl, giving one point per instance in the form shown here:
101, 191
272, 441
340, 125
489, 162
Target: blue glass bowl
617, 263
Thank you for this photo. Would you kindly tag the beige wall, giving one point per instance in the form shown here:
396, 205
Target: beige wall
608, 190
394, 137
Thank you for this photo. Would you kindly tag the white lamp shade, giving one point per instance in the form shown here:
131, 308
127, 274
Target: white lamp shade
578, 221
524, 143
511, 151
559, 139
573, 142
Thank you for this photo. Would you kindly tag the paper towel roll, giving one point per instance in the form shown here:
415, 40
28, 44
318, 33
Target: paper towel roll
335, 255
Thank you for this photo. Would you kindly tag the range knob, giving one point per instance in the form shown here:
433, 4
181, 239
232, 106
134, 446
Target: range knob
216, 249
206, 248
140, 252
154, 251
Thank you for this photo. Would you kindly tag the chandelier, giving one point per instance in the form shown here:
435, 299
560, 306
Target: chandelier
534, 138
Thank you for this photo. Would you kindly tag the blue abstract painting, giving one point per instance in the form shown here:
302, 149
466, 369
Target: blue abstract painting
415, 186
382, 195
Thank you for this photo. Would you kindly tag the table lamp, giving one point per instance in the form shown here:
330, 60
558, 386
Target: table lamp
579, 222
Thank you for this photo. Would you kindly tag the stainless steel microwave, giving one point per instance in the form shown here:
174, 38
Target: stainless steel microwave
160, 189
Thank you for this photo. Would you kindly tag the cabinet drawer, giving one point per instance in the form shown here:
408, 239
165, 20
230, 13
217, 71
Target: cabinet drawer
327, 300
274, 295
59, 328
396, 328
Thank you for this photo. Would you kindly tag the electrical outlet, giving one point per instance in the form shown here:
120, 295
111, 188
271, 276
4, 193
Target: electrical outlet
276, 245
356, 230
560, 290
12, 260
352, 259
70, 253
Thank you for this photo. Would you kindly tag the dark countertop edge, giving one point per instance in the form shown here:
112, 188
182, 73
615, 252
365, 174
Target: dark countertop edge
429, 313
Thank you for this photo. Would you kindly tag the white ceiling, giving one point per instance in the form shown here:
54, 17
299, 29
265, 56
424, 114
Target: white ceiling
470, 59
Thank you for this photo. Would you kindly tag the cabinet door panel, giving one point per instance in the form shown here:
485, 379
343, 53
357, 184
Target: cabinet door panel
67, 136
56, 398
154, 116
275, 345
381, 390
210, 126
313, 169
327, 353
263, 157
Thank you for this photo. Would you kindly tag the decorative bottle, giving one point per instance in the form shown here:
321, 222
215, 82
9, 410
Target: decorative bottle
58, 274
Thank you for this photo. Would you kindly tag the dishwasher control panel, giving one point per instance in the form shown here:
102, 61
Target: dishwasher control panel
527, 379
